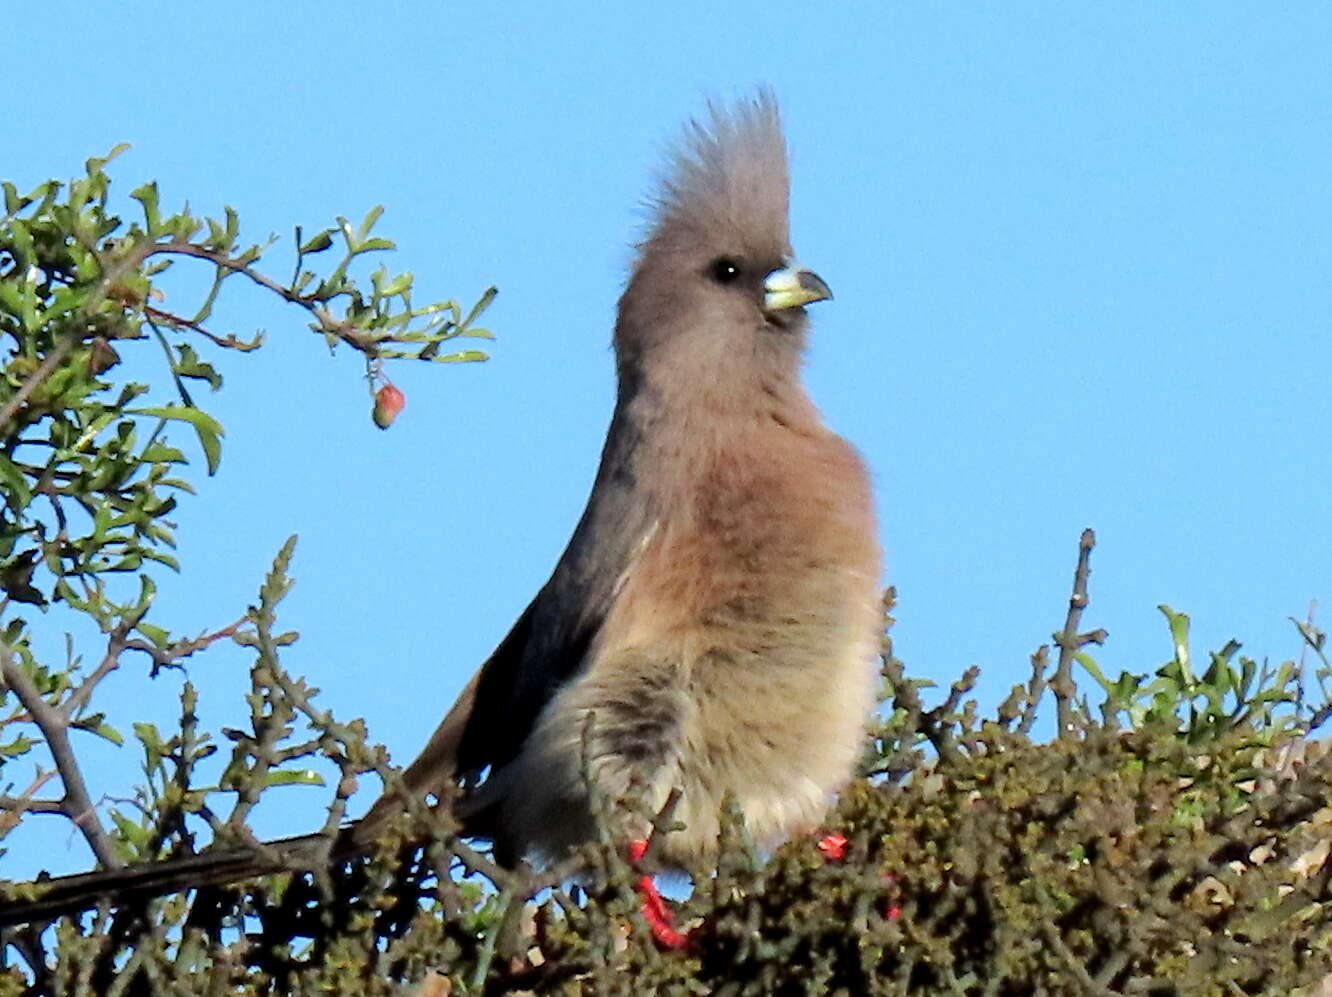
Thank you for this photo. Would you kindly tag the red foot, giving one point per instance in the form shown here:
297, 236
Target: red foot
833, 847
657, 913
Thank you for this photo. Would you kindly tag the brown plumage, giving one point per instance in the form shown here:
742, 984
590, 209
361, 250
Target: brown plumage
711, 626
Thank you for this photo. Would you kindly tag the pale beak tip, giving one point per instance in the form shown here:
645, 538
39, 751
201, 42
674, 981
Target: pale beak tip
793, 287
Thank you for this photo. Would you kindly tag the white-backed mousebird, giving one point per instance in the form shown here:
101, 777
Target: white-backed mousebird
711, 628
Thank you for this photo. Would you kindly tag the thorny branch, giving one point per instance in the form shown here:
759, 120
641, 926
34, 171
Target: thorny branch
1070, 642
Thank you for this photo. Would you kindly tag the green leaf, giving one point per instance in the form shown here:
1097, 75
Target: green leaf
1092, 669
179, 484
15, 484
135, 834
480, 306
465, 356
189, 365
208, 429
397, 285
158, 452
130, 562
18, 746
158, 635
294, 777
146, 195
368, 223
151, 739
1179, 635
160, 558
318, 243
95, 163
97, 725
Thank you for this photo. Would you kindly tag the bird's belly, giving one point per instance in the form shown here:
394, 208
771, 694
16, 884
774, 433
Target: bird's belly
778, 728
761, 701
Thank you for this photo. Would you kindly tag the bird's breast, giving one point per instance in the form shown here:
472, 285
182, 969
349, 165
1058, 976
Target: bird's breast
764, 535
736, 656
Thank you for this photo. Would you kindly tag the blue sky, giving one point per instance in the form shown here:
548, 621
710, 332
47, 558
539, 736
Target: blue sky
1081, 256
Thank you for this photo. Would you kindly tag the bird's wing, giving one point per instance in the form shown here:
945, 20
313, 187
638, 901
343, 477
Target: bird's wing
487, 725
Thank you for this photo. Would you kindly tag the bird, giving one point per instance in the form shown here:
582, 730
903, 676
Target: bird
711, 628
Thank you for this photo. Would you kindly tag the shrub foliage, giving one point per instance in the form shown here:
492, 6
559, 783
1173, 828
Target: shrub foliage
1170, 836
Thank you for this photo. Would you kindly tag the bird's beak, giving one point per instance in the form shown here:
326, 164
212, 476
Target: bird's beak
791, 287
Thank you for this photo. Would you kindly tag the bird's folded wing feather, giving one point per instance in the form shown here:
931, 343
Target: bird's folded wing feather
495, 712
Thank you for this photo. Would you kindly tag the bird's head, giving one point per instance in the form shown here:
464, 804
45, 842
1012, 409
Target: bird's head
715, 277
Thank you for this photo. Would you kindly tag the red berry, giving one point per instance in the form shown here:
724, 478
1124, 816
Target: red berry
389, 401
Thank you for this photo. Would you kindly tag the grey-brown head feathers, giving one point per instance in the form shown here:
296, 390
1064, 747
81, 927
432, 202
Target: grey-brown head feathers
719, 228
727, 178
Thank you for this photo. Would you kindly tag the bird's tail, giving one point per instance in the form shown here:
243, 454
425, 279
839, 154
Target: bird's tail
214, 867
432, 772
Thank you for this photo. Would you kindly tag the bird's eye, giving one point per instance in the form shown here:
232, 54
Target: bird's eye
725, 270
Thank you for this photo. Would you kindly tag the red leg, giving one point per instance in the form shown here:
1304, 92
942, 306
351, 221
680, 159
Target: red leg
657, 913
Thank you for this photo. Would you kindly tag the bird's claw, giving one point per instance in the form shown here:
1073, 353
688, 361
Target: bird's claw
659, 918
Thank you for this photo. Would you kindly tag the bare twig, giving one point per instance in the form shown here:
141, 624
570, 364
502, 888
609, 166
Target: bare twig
27, 942
1069, 641
938, 724
663, 821
17, 806
326, 320
1308, 623
164, 657
230, 342
115, 647
1035, 688
54, 726
119, 642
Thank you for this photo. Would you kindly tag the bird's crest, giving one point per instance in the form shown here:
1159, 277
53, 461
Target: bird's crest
729, 168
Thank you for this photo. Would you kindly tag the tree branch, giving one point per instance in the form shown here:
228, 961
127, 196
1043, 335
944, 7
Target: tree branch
17, 806
25, 804
327, 321
231, 342
34, 380
54, 725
